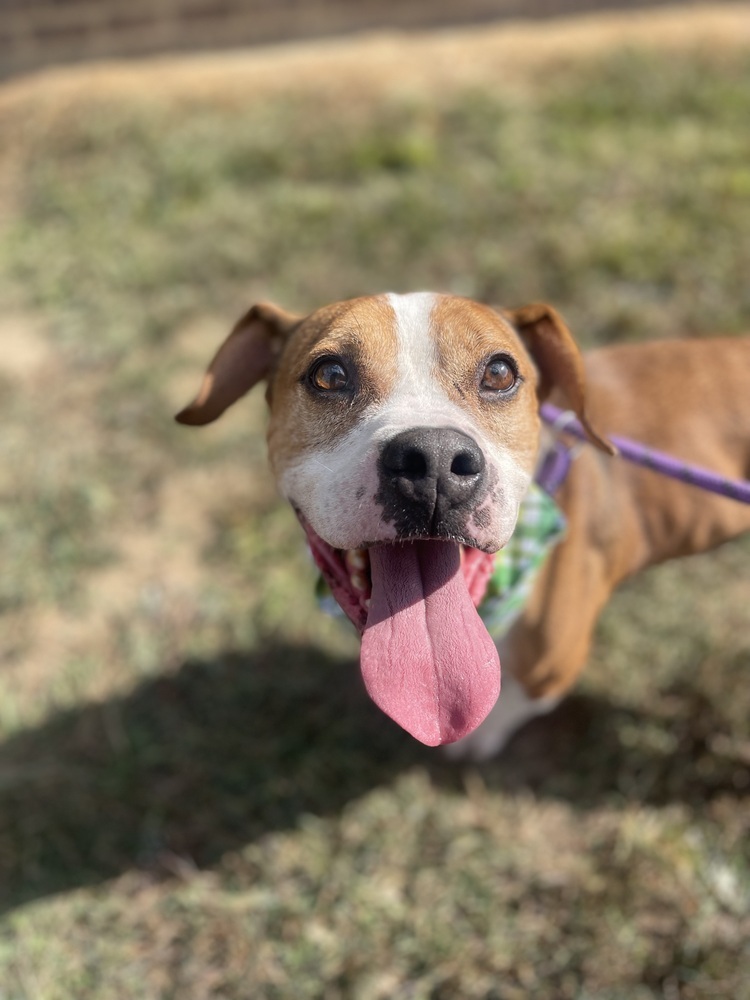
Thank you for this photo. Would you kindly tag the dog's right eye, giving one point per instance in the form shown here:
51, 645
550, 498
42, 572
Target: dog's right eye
328, 375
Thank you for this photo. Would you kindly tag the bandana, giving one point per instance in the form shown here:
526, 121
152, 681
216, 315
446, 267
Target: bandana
540, 526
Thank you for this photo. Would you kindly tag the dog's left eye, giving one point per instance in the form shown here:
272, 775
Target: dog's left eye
499, 374
329, 375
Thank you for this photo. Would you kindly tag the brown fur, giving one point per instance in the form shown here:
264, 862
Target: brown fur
690, 398
301, 422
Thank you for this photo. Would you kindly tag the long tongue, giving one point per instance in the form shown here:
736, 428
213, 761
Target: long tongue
427, 659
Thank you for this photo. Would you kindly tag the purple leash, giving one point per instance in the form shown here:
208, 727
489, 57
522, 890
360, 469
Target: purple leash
649, 458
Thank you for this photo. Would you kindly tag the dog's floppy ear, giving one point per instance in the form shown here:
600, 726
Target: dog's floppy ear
558, 359
245, 357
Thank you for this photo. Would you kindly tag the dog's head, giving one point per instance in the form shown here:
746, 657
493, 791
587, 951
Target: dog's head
404, 431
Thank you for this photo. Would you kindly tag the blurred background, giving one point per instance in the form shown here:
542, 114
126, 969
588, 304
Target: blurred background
196, 798
36, 33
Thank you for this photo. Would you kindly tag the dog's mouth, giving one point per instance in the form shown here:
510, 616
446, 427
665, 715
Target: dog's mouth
427, 660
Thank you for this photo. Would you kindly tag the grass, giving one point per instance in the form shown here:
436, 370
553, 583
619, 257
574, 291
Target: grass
196, 798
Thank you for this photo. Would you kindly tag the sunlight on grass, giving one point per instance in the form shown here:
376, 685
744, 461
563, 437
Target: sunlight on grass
196, 799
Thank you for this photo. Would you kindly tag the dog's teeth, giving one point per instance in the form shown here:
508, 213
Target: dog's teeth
359, 581
368, 602
357, 558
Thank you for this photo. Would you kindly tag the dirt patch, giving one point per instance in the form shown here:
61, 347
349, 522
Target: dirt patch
25, 350
372, 66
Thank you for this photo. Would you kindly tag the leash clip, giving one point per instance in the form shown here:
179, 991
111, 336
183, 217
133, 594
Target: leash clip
561, 424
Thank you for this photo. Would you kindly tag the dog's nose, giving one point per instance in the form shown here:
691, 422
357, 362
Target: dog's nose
439, 457
431, 471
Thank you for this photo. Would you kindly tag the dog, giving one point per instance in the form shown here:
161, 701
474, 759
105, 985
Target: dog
404, 430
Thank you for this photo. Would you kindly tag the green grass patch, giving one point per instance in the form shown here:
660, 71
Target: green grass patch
196, 799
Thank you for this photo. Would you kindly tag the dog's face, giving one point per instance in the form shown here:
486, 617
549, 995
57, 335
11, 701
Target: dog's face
404, 431
405, 417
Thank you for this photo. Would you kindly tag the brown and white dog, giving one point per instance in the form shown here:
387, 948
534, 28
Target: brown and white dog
404, 430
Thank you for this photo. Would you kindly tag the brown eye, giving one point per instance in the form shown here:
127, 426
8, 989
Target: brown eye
499, 375
329, 375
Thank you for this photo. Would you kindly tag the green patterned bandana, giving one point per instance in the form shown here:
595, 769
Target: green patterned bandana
540, 526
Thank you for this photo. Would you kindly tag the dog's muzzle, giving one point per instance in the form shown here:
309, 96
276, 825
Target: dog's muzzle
431, 479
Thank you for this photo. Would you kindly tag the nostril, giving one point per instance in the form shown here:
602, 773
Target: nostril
413, 463
465, 463
401, 458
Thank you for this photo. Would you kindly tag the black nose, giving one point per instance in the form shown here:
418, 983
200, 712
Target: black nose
430, 477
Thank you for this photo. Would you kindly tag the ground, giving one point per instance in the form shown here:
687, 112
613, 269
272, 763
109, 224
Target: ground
196, 798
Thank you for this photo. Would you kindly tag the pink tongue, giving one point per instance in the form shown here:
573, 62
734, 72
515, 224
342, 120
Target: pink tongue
427, 659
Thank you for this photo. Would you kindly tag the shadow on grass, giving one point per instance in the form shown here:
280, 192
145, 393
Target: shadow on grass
188, 766
193, 765
592, 750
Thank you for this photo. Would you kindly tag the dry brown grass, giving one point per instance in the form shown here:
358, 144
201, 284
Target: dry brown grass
374, 67
195, 797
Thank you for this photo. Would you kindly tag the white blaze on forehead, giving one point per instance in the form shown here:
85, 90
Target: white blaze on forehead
418, 396
417, 352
